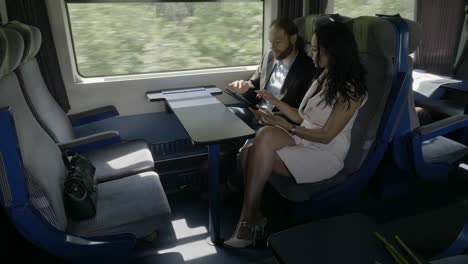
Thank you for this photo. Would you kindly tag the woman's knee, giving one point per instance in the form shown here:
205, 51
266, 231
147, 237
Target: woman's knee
266, 133
245, 148
273, 137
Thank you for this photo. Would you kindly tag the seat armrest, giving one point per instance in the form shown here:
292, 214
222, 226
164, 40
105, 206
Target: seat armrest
441, 127
445, 107
92, 142
93, 115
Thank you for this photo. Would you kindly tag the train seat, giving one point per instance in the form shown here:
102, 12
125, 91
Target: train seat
423, 150
373, 127
111, 157
32, 175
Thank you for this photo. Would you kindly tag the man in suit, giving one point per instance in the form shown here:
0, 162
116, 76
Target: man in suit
286, 70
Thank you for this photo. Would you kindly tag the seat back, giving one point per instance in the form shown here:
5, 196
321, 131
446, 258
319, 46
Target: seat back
384, 118
375, 39
408, 120
308, 24
38, 186
47, 111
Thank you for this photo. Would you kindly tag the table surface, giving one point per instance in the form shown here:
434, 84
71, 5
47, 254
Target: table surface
211, 123
344, 239
204, 117
461, 86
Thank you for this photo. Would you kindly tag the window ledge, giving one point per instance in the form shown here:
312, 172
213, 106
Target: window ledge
130, 77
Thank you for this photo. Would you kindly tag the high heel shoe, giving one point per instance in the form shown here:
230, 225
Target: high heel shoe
261, 228
255, 232
235, 242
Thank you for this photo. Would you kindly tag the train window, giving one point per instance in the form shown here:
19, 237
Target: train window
122, 38
355, 8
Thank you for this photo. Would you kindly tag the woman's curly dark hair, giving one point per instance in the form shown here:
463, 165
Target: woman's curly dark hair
344, 66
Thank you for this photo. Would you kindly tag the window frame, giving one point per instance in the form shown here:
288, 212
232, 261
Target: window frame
144, 75
332, 4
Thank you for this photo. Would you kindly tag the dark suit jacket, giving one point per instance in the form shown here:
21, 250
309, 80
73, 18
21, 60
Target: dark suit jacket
296, 84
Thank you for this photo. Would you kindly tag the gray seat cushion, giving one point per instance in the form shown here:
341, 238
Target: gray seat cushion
294, 192
118, 212
43, 105
443, 150
121, 160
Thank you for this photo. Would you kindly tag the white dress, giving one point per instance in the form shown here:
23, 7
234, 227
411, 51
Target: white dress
311, 161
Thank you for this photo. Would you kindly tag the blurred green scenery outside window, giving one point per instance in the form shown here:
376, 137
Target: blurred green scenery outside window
135, 38
355, 8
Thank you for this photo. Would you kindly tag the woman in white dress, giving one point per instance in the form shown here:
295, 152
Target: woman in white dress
315, 150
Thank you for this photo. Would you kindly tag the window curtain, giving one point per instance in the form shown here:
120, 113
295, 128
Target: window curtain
318, 6
461, 62
290, 8
34, 12
441, 22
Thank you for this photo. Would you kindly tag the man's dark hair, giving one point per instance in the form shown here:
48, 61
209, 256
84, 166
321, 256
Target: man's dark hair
290, 28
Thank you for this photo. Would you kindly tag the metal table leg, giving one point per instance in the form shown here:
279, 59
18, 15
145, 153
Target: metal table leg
213, 189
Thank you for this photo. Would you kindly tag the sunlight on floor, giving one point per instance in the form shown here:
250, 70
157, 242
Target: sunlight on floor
182, 230
193, 250
464, 166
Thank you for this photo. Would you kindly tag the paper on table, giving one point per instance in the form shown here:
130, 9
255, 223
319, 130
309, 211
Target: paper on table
426, 83
155, 96
193, 102
188, 99
187, 95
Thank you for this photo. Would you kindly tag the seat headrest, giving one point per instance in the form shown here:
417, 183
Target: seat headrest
415, 32
375, 35
308, 24
32, 39
11, 51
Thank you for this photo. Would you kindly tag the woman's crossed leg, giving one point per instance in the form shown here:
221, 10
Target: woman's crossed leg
259, 161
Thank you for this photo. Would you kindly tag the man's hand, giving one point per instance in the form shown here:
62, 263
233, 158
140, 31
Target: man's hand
240, 86
267, 96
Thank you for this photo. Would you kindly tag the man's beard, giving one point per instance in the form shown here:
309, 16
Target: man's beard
286, 52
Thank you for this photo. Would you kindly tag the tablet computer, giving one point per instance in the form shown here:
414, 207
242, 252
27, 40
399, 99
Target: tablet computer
241, 98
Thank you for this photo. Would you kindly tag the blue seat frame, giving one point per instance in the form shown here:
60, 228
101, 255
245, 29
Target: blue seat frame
30, 223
